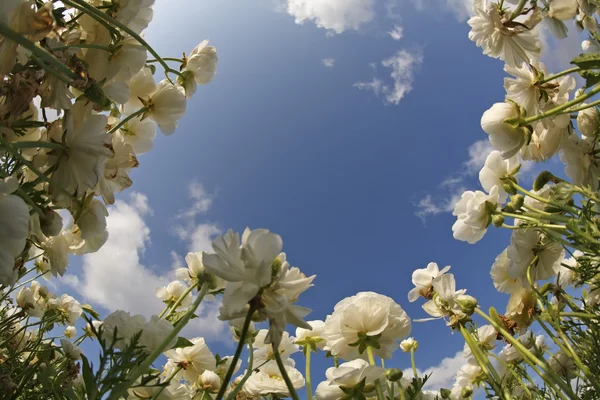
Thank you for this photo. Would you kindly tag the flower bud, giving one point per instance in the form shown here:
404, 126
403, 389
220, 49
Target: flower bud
187, 81
541, 180
70, 332
393, 374
96, 95
210, 381
445, 393
466, 303
497, 220
409, 344
467, 392
517, 201
588, 121
51, 224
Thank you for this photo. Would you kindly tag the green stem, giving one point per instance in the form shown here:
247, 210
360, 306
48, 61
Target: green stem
412, 362
284, 374
249, 370
518, 9
549, 376
562, 107
238, 352
32, 203
121, 389
84, 46
177, 302
558, 75
543, 199
590, 105
535, 218
166, 59
82, 5
579, 315
38, 51
377, 382
127, 119
307, 351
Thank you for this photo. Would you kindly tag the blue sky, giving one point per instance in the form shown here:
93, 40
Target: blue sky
358, 187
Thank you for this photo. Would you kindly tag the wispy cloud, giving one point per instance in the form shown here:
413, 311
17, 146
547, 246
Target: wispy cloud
336, 16
403, 65
328, 62
397, 33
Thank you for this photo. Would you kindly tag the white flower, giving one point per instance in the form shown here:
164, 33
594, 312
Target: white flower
544, 192
563, 364
503, 282
567, 274
268, 380
444, 301
512, 45
29, 300
474, 214
245, 267
409, 344
521, 307
316, 334
524, 89
469, 374
423, 280
545, 142
142, 85
588, 121
89, 233
264, 351
139, 134
81, 164
173, 292
506, 137
155, 332
370, 314
125, 325
197, 272
495, 168
582, 165
71, 351
70, 332
166, 106
136, 14
115, 177
485, 338
347, 376
55, 93
194, 359
14, 229
127, 61
209, 381
525, 246
69, 308
202, 62
563, 9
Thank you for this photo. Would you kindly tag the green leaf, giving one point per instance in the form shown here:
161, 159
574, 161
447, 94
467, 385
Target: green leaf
89, 310
587, 61
591, 77
182, 342
88, 378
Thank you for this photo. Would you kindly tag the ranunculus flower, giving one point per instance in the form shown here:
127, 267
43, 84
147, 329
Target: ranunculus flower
347, 376
268, 380
173, 292
263, 351
506, 137
503, 282
166, 106
588, 121
14, 214
495, 168
525, 246
486, 339
582, 164
315, 334
423, 280
202, 62
474, 214
370, 314
196, 359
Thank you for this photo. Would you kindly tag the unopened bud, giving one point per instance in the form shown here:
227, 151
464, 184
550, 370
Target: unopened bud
517, 201
393, 374
51, 224
542, 179
467, 392
445, 393
497, 220
96, 95
409, 344
466, 303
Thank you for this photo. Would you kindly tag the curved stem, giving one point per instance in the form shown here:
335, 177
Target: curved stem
249, 370
38, 51
284, 374
549, 375
143, 367
590, 105
558, 75
238, 352
128, 118
377, 381
562, 107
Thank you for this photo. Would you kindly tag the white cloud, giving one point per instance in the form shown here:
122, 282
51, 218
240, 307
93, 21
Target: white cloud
328, 62
203, 236
201, 201
430, 206
397, 33
114, 278
334, 15
462, 9
478, 152
403, 65
443, 374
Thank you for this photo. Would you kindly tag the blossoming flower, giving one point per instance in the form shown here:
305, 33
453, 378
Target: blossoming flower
70, 350
531, 251
443, 303
588, 121
202, 62
139, 134
116, 170
485, 338
474, 214
409, 344
269, 381
14, 229
512, 43
567, 274
193, 360
521, 307
503, 281
348, 376
153, 332
196, 272
173, 292
506, 137
166, 106
68, 308
89, 232
582, 163
494, 170
315, 334
423, 281
366, 314
263, 351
